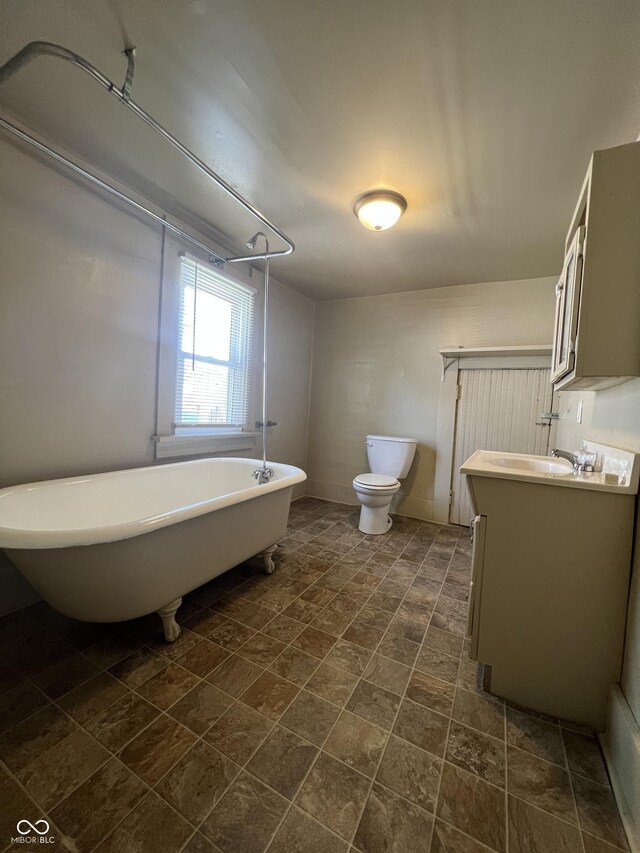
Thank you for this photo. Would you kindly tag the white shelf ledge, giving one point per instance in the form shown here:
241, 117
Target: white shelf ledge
451, 354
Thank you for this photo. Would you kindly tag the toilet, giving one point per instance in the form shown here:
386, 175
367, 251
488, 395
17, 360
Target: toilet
389, 460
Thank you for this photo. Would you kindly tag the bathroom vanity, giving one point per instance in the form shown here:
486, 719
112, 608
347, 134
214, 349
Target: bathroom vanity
551, 565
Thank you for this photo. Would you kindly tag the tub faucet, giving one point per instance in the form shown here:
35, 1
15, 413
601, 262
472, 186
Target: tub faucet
573, 458
262, 475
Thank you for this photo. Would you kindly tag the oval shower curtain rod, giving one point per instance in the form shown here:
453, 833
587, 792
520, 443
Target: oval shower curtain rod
45, 48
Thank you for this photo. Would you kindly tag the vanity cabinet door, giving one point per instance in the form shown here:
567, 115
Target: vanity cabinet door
567, 305
478, 534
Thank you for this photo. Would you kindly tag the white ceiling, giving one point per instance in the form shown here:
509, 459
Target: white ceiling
483, 113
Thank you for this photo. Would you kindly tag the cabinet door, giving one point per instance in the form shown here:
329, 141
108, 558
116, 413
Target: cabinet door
567, 304
478, 534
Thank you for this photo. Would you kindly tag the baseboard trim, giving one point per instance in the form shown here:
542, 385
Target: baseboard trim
402, 504
621, 747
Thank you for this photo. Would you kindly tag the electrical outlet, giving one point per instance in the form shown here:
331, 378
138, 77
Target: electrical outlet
579, 412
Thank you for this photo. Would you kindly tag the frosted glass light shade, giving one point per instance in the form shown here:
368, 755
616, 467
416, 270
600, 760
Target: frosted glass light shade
378, 210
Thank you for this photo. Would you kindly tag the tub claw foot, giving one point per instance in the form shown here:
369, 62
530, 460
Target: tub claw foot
168, 615
267, 558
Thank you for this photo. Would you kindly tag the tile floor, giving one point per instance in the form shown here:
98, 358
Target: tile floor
328, 707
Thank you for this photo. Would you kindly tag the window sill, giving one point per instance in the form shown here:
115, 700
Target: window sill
173, 446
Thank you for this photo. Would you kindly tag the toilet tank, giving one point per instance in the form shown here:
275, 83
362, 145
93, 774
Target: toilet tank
390, 455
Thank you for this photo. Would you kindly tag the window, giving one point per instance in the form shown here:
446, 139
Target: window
206, 373
215, 320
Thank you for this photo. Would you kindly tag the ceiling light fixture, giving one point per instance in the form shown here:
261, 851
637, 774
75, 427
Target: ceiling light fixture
378, 210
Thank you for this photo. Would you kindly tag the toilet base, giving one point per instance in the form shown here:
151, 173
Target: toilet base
375, 520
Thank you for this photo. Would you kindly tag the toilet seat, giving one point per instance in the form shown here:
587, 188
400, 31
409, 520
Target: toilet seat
376, 481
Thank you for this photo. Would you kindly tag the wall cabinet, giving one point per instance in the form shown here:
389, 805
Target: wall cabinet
597, 320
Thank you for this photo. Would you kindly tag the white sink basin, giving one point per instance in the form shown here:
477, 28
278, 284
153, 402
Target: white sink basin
539, 464
618, 469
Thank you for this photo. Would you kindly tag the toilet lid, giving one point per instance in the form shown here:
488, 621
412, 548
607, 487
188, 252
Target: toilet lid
380, 480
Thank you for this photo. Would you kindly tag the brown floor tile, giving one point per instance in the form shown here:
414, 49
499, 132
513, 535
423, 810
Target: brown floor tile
270, 695
53, 775
592, 844
295, 666
203, 658
94, 809
410, 772
198, 781
597, 810
199, 844
332, 683
176, 649
388, 673
276, 599
34, 736
156, 749
314, 642
261, 649
540, 783
407, 628
64, 676
14, 804
109, 651
347, 604
201, 707
234, 675
479, 713
349, 656
205, 621
478, 753
374, 703
167, 686
300, 833
432, 692
246, 817
390, 824
311, 717
331, 622
393, 646
283, 628
438, 664
10, 677
535, 736
473, 806
121, 722
231, 635
19, 703
363, 634
92, 697
153, 825
375, 617
318, 596
255, 616
282, 761
422, 726
584, 756
357, 742
302, 611
239, 732
138, 667
334, 794
534, 831
448, 839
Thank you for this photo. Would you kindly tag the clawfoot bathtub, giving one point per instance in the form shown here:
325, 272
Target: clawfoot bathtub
110, 547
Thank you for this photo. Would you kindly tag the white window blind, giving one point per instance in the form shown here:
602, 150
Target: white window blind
215, 322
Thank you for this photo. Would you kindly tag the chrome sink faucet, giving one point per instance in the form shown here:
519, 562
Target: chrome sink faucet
577, 464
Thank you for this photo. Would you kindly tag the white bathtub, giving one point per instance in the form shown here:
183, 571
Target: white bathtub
110, 547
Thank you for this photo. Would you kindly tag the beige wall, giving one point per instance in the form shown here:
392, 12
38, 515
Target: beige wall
376, 369
79, 291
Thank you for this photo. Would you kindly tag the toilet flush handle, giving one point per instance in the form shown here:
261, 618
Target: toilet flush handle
368, 443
